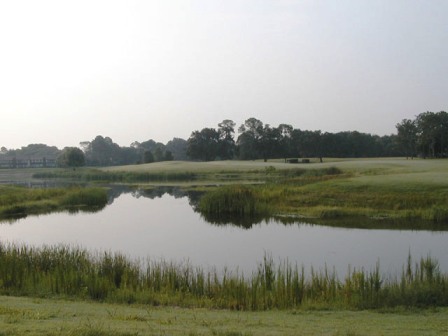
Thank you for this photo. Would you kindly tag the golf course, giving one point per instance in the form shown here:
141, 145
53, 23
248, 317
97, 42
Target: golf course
70, 291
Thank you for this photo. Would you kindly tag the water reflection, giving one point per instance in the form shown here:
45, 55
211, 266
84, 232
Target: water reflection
248, 222
162, 223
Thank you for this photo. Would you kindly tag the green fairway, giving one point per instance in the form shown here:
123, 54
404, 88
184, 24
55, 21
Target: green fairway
26, 316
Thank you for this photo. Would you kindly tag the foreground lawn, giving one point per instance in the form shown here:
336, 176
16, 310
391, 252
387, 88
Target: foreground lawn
26, 316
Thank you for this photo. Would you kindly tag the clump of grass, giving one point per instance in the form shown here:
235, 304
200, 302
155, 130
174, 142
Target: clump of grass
16, 202
89, 197
436, 214
235, 200
74, 272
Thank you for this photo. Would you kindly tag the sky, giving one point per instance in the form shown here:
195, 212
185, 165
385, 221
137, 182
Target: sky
139, 70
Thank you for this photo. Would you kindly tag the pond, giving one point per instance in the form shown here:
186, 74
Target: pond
162, 224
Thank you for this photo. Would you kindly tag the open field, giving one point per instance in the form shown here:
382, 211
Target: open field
27, 316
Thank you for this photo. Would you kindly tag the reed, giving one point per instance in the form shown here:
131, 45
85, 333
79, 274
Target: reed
63, 271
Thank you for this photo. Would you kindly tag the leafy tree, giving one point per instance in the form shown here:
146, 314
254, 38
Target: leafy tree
203, 145
308, 143
35, 150
129, 155
226, 142
407, 137
71, 157
433, 133
102, 151
168, 156
158, 154
248, 141
148, 157
269, 143
286, 146
178, 148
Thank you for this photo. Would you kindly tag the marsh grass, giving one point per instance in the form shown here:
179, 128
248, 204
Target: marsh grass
329, 194
96, 175
235, 200
16, 202
72, 272
365, 189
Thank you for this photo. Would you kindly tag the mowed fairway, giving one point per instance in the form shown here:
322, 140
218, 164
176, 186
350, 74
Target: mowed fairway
374, 170
26, 316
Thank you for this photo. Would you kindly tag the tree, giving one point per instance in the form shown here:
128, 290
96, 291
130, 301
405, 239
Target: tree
148, 157
249, 139
102, 151
269, 143
432, 130
203, 145
178, 148
168, 156
71, 157
285, 146
226, 142
407, 137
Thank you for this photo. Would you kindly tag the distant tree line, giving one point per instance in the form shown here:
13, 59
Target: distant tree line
102, 151
257, 140
424, 136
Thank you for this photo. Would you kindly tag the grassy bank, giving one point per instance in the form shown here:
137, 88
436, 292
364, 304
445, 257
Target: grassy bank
106, 277
16, 202
28, 316
378, 189
373, 189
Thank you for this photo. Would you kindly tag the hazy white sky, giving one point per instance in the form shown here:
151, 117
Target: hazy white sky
139, 70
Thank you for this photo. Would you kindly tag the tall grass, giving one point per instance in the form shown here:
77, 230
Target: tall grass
235, 200
19, 201
74, 272
388, 191
94, 175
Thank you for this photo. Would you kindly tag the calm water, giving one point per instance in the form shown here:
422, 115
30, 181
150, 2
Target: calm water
167, 227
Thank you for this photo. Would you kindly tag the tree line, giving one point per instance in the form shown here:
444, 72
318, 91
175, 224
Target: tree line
257, 140
425, 136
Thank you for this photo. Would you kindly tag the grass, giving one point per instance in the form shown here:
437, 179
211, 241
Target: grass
30, 316
329, 194
16, 202
62, 271
396, 190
